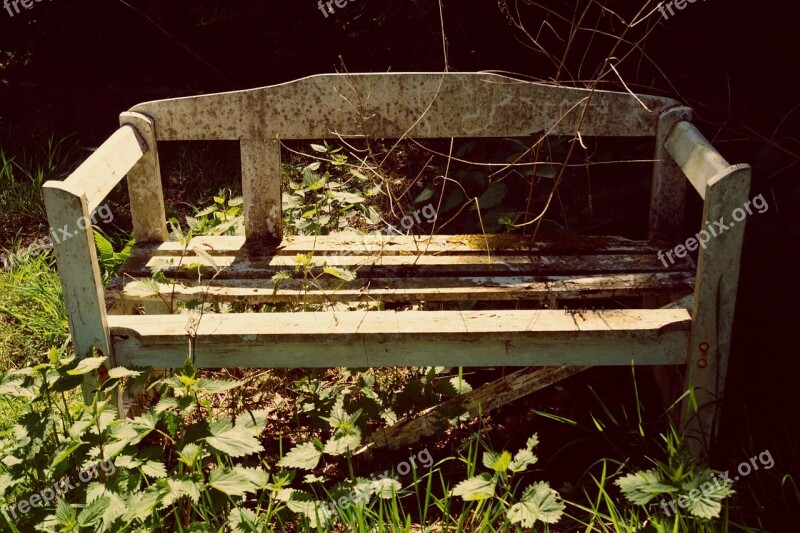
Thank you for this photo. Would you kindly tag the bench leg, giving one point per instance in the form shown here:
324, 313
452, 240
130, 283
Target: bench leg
713, 309
81, 283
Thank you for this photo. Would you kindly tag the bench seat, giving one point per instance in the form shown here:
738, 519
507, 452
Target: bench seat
404, 268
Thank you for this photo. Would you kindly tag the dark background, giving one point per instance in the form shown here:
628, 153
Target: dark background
70, 67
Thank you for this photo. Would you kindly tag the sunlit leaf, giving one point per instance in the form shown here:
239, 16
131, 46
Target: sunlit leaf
476, 488
539, 503
305, 456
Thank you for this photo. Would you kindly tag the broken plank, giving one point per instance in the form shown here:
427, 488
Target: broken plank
485, 398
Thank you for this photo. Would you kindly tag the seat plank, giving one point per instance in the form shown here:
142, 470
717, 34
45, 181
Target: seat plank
485, 288
408, 338
240, 267
349, 243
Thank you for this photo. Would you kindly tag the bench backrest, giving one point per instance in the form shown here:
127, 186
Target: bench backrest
394, 105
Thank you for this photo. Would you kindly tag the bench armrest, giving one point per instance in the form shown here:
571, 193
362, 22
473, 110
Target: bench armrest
106, 167
69, 204
695, 156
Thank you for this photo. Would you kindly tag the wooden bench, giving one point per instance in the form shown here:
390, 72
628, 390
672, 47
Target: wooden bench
429, 268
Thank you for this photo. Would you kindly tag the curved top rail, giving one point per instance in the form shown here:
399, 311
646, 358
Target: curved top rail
422, 105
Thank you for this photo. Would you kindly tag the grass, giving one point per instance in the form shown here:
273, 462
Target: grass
22, 177
32, 313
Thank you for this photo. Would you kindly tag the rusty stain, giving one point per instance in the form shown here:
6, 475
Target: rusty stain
702, 362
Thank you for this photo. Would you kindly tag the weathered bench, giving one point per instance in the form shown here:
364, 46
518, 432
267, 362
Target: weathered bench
428, 268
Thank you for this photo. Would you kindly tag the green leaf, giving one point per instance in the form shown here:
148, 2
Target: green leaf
236, 442
341, 273
705, 496
11, 385
426, 194
493, 195
87, 365
116, 506
120, 372
342, 445
522, 460
142, 504
145, 288
497, 462
190, 454
641, 487
154, 469
386, 488
230, 481
66, 450
205, 255
253, 420
305, 456
65, 515
259, 477
317, 513
104, 248
476, 488
460, 385
455, 198
173, 490
166, 403
318, 148
539, 503
347, 197
93, 512
243, 521
216, 386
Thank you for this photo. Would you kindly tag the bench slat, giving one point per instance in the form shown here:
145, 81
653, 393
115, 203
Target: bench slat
498, 288
348, 243
408, 338
243, 267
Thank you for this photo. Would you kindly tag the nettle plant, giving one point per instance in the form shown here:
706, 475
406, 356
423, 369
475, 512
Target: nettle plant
496, 488
359, 493
328, 194
179, 466
698, 490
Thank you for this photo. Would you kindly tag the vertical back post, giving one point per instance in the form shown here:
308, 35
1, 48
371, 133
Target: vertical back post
666, 218
715, 301
144, 184
84, 298
669, 182
261, 188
